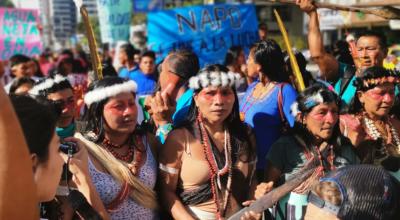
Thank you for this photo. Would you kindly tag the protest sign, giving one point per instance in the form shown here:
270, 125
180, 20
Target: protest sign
19, 33
115, 20
147, 5
208, 30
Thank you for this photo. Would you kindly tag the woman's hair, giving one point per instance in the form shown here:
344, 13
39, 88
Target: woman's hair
38, 122
268, 54
39, 72
371, 77
302, 62
130, 50
94, 131
361, 192
238, 130
305, 103
19, 82
232, 55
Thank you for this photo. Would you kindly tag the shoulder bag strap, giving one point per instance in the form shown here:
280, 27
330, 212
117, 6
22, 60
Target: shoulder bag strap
280, 103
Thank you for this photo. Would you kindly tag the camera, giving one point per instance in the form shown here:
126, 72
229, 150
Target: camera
67, 147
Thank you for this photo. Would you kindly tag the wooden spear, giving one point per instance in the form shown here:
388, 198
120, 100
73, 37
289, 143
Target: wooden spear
386, 12
269, 199
94, 55
293, 61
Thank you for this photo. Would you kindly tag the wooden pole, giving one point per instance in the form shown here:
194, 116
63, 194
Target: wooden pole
293, 61
94, 55
385, 12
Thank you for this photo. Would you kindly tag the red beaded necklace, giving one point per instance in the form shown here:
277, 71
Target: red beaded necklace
215, 172
133, 157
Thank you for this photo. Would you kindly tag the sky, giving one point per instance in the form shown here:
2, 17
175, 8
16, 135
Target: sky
26, 3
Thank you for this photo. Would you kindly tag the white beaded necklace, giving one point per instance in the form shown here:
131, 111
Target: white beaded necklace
375, 134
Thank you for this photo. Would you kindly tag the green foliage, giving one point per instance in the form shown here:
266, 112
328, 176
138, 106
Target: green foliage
94, 20
296, 41
6, 3
138, 18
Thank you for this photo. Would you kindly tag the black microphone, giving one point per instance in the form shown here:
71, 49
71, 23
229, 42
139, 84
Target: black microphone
82, 207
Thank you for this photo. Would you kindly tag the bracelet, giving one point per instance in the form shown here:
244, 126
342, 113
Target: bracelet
163, 131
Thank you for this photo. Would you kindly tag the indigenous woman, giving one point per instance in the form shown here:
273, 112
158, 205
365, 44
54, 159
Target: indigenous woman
122, 161
315, 135
207, 163
370, 119
266, 105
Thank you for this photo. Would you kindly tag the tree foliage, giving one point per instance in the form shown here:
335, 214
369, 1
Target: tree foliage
6, 3
94, 20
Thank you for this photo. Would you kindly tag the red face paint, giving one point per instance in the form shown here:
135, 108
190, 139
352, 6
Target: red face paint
323, 113
119, 108
379, 94
211, 94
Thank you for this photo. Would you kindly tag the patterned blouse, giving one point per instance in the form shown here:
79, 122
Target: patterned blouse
108, 188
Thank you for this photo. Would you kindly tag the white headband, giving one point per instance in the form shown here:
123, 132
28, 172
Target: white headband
100, 94
205, 79
47, 84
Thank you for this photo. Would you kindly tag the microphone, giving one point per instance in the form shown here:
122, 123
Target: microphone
81, 206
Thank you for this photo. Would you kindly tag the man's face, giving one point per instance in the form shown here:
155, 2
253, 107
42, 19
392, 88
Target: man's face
147, 65
262, 33
122, 57
369, 52
168, 80
66, 99
22, 69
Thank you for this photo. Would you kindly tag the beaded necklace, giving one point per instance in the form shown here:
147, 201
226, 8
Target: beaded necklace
373, 132
248, 104
215, 172
320, 170
329, 159
134, 155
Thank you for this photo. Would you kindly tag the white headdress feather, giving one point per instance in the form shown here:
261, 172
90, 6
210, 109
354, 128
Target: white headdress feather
110, 91
215, 79
46, 84
78, 3
205, 79
316, 98
194, 83
225, 80
294, 109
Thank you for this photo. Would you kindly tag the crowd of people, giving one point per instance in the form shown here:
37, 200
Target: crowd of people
177, 141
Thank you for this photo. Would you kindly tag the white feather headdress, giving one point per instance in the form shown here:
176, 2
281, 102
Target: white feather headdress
100, 94
47, 84
310, 102
215, 78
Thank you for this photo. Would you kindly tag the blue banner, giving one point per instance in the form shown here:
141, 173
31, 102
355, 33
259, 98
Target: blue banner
208, 30
115, 20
